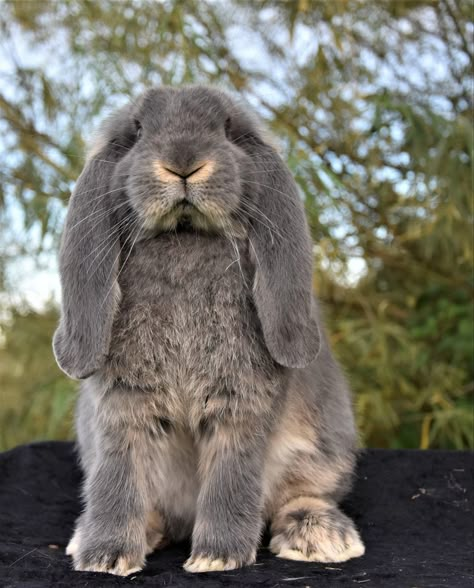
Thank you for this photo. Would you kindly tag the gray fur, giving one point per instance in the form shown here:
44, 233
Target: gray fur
193, 419
90, 292
283, 262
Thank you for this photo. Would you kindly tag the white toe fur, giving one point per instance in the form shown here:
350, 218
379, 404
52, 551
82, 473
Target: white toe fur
200, 564
73, 545
330, 550
122, 567
313, 529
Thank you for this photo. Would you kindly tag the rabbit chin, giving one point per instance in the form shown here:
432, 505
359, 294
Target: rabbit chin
189, 218
183, 219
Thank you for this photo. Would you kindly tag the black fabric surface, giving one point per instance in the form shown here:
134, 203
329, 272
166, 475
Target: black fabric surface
414, 511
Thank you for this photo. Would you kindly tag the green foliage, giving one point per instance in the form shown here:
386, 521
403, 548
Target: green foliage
373, 105
36, 397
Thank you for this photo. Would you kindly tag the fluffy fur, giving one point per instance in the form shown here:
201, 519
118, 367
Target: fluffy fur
210, 402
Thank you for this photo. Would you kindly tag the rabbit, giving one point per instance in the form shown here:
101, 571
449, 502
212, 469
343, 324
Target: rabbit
210, 404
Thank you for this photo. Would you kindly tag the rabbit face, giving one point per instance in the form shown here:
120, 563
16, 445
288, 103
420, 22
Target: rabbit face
183, 169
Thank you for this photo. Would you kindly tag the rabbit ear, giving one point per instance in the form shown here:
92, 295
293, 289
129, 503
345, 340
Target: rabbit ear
282, 251
88, 262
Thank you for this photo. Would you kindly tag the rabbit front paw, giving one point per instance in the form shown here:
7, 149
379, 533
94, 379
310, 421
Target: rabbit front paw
105, 553
109, 557
205, 562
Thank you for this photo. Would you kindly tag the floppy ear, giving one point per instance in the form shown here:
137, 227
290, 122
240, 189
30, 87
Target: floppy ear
88, 262
282, 249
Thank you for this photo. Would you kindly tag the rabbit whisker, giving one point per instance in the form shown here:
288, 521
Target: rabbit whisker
272, 228
254, 252
98, 218
98, 187
267, 186
126, 259
278, 230
114, 262
236, 249
101, 195
116, 228
109, 248
244, 221
96, 211
103, 161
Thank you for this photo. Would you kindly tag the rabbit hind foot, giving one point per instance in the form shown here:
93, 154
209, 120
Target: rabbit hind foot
313, 529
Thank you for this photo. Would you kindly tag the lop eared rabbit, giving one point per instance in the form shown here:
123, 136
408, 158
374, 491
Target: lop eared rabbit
210, 401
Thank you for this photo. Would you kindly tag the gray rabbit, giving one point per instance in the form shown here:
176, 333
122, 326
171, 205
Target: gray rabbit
210, 402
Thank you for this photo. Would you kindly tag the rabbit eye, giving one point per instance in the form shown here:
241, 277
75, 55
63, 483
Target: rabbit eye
138, 128
227, 126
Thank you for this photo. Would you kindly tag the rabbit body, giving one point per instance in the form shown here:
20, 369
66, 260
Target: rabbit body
185, 352
187, 330
194, 420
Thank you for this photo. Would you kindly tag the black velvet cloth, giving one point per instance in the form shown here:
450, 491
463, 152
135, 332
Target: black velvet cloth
413, 509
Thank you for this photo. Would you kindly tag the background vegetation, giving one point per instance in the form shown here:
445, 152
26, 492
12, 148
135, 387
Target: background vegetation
372, 102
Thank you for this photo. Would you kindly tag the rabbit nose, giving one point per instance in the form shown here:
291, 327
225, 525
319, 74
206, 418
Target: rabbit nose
202, 172
170, 173
174, 172
183, 175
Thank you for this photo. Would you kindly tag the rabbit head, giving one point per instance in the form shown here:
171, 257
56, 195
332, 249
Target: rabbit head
192, 159
183, 169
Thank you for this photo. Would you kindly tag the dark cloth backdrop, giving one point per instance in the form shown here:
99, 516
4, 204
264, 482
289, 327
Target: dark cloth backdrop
413, 508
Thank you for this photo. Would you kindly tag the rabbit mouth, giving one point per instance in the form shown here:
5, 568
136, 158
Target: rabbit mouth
186, 208
185, 213
186, 216
189, 216
185, 224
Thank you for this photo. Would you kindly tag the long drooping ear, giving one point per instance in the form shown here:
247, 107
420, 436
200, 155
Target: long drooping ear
88, 262
282, 248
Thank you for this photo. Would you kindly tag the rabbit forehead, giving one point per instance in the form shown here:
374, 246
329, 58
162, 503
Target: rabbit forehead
187, 109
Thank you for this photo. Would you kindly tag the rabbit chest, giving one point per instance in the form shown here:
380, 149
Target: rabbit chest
186, 332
